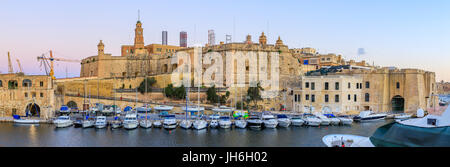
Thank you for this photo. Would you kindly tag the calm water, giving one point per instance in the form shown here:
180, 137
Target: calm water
47, 135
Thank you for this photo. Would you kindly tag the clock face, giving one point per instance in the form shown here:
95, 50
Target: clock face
139, 32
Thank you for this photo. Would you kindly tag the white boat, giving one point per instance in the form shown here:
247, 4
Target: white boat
21, 120
63, 121
185, 124
200, 124
223, 109
402, 116
157, 123
311, 120
225, 122
145, 123
144, 109
214, 123
345, 120
365, 116
130, 121
87, 123
297, 120
163, 108
193, 109
343, 140
240, 123
283, 120
333, 119
169, 122
269, 120
100, 122
254, 122
324, 120
116, 124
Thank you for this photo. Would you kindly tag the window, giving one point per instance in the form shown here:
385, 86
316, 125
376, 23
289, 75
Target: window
336, 85
357, 85
307, 85
313, 98
158, 49
26, 94
367, 97
42, 94
355, 98
313, 85
1, 84
326, 98
326, 85
336, 98
41, 84
349, 97
367, 85
295, 98
26, 83
33, 94
398, 85
349, 85
307, 97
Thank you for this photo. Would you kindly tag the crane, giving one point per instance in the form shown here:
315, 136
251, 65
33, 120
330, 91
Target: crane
10, 68
20, 67
46, 64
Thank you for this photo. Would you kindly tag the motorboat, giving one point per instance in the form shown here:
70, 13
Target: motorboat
145, 123
311, 120
225, 122
254, 122
269, 120
169, 122
21, 120
223, 109
100, 122
200, 124
115, 124
163, 108
88, 123
297, 120
333, 119
240, 123
193, 109
130, 121
144, 109
214, 123
342, 140
157, 123
365, 116
402, 116
345, 120
324, 120
78, 123
98, 108
63, 121
283, 120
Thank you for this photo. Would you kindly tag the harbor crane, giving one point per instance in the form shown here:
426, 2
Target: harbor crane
49, 66
10, 68
20, 66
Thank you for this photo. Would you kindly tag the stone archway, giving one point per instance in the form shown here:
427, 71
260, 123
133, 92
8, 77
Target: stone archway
398, 104
33, 110
72, 104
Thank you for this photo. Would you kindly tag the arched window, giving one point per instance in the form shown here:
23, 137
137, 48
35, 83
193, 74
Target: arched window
26, 83
1, 84
12, 84
367, 97
367, 85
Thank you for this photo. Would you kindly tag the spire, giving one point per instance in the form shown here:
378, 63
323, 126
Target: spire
101, 48
249, 39
262, 39
279, 41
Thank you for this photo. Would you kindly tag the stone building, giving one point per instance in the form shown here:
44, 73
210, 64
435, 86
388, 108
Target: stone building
378, 90
20, 93
443, 88
135, 60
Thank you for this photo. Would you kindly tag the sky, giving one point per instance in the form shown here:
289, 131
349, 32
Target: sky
401, 33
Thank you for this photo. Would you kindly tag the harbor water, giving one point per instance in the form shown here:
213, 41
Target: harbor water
46, 135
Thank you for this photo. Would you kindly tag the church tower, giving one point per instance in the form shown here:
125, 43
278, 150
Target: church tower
139, 36
262, 39
101, 48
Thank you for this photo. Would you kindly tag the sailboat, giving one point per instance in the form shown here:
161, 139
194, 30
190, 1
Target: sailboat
86, 123
186, 124
146, 123
199, 123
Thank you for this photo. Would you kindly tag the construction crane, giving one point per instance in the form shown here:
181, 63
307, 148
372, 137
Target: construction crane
20, 67
46, 64
10, 68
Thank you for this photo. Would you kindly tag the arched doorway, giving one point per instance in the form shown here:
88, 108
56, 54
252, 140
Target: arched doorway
33, 110
398, 104
72, 104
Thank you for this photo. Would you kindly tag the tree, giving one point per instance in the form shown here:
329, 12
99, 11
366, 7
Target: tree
180, 92
168, 91
254, 94
150, 82
211, 95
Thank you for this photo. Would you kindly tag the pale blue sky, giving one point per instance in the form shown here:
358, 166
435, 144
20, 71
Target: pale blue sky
403, 33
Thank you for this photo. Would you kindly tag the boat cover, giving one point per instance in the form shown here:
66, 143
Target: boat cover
281, 116
127, 108
330, 115
16, 116
399, 135
64, 108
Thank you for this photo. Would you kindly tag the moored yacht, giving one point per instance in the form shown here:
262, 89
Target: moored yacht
365, 116
200, 124
88, 123
214, 123
240, 123
254, 122
163, 108
297, 120
100, 122
324, 120
63, 121
130, 121
21, 120
283, 120
157, 123
345, 120
225, 122
116, 123
333, 119
186, 124
269, 120
169, 122
311, 120
145, 123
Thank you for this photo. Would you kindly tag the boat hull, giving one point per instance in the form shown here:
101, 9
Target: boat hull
63, 124
297, 122
130, 126
240, 124
284, 123
26, 121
